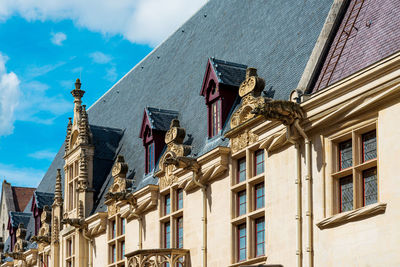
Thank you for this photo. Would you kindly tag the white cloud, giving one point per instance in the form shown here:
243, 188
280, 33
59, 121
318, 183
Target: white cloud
100, 58
141, 21
21, 176
58, 38
37, 106
9, 97
43, 154
111, 74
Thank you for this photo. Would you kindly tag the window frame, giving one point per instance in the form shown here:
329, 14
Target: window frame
239, 171
115, 240
238, 228
259, 151
356, 135
260, 185
256, 243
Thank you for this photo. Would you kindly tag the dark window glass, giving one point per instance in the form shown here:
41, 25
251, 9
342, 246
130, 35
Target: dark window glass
260, 237
150, 159
345, 155
241, 170
241, 202
216, 117
180, 199
179, 232
113, 230
242, 242
122, 255
369, 146
167, 231
122, 226
259, 163
167, 205
370, 186
346, 193
260, 199
113, 254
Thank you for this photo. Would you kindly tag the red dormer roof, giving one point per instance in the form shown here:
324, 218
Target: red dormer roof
21, 196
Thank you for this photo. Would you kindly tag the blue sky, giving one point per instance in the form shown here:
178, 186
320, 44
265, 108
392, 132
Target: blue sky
45, 45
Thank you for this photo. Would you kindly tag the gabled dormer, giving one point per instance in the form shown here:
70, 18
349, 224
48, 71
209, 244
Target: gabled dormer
155, 124
220, 88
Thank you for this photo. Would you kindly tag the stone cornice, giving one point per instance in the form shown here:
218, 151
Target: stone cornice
353, 215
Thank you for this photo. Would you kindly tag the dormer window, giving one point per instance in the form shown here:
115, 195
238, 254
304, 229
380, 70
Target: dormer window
155, 124
150, 157
220, 89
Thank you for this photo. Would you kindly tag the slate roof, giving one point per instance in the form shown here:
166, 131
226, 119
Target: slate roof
160, 119
19, 217
228, 72
43, 198
374, 36
276, 37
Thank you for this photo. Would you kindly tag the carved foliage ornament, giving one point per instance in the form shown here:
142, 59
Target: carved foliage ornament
250, 91
243, 140
175, 150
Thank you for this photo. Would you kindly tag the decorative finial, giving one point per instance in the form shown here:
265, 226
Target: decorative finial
78, 84
58, 191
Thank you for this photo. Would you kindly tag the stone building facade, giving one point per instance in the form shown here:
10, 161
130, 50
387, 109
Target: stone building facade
284, 154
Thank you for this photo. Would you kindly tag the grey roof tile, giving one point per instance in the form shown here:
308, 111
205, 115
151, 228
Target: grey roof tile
276, 37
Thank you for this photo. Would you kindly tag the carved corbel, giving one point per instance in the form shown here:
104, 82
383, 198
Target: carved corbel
176, 154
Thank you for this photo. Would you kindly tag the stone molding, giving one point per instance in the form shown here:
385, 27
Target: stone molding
353, 215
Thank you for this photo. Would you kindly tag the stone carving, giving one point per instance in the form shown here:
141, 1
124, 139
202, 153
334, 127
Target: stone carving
58, 200
284, 111
77, 222
113, 209
44, 234
56, 231
158, 257
243, 140
250, 91
68, 137
174, 155
83, 172
120, 189
21, 243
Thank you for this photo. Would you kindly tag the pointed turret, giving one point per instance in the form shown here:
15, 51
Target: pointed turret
77, 93
58, 191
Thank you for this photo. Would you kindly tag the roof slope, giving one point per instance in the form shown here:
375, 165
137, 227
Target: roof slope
369, 32
276, 37
21, 196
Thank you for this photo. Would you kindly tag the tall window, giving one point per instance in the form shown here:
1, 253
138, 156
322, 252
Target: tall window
171, 220
70, 251
356, 170
150, 161
216, 124
242, 248
179, 232
167, 204
241, 175
248, 193
167, 235
116, 241
260, 237
72, 178
259, 162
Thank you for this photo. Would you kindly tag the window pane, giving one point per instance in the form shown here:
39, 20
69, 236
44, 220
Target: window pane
122, 250
241, 170
180, 232
346, 193
260, 200
180, 199
150, 161
345, 155
241, 203
113, 229
167, 208
167, 230
370, 186
122, 226
259, 157
369, 146
242, 242
260, 237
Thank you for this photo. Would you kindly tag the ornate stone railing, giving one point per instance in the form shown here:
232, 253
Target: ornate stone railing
158, 257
